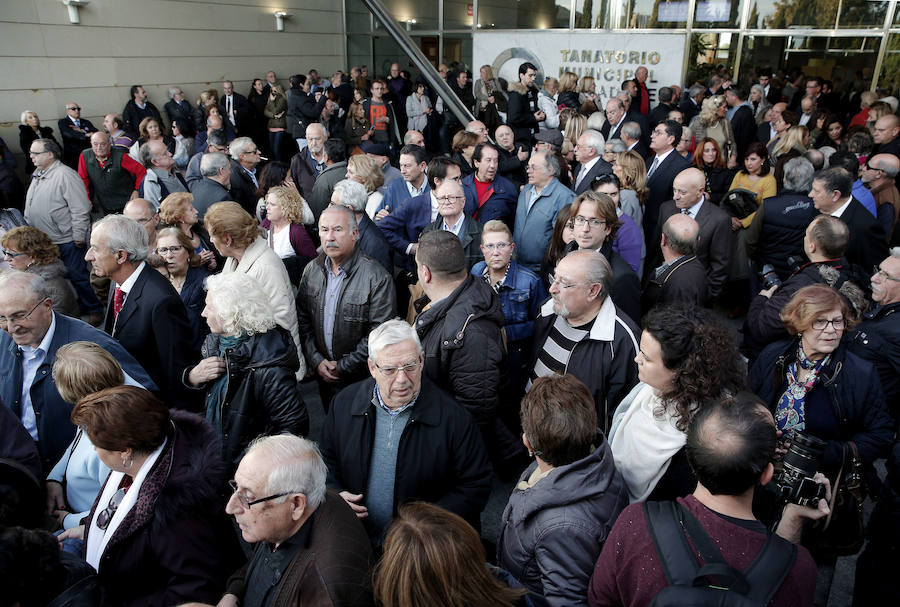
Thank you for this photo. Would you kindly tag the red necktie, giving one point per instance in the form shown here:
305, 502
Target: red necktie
118, 301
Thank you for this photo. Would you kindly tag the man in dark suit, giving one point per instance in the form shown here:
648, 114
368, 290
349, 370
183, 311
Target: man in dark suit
244, 177
335, 170
716, 239
213, 185
831, 194
690, 107
631, 137
31, 344
588, 152
451, 201
663, 165
145, 313
661, 111
178, 108
76, 134
491, 195
138, 108
235, 108
403, 226
681, 278
772, 93
743, 123
615, 118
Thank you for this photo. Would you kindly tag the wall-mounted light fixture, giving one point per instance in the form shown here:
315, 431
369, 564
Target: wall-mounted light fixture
410, 23
280, 16
73, 6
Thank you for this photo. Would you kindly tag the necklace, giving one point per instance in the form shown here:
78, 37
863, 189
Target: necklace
177, 282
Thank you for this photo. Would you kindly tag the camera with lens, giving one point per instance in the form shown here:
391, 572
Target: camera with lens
795, 263
795, 482
769, 277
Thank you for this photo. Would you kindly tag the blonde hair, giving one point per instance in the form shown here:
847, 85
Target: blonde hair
82, 367
708, 111
792, 139
367, 170
568, 81
498, 227
575, 126
586, 85
229, 218
634, 173
292, 203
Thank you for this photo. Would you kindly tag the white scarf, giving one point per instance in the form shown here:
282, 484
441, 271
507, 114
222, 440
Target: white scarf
642, 443
98, 538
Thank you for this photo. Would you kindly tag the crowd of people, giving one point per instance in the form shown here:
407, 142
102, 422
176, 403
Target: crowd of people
547, 295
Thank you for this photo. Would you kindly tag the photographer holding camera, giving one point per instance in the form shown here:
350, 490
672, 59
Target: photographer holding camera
814, 385
824, 244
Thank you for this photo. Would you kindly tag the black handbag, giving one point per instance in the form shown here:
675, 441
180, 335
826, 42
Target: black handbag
843, 533
740, 202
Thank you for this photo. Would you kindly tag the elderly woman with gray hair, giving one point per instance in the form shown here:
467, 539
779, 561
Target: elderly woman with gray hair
248, 367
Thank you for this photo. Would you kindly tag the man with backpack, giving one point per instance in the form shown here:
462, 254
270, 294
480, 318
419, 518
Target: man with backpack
708, 548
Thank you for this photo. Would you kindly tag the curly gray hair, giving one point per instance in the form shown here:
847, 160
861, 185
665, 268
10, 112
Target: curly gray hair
241, 304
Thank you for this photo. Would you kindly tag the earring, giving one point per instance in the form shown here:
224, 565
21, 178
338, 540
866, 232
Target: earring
530, 453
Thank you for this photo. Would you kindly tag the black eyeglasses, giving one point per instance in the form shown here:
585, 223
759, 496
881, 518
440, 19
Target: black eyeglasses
246, 503
164, 250
105, 517
74, 109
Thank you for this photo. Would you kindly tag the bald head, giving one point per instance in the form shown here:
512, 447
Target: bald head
886, 129
688, 187
477, 127
888, 163
143, 212
100, 144
679, 236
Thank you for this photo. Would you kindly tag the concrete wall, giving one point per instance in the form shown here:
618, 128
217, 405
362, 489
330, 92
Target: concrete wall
46, 62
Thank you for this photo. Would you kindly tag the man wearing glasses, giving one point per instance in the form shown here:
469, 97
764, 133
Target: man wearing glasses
245, 157
396, 437
451, 201
308, 543
76, 133
579, 331
57, 204
879, 174
32, 333
877, 337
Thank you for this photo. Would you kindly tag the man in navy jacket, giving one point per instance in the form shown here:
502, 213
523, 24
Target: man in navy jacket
32, 334
492, 196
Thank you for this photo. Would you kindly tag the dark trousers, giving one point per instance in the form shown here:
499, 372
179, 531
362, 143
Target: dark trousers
79, 275
275, 138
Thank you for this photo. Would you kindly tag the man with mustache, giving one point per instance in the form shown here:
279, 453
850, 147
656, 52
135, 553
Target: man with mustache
344, 294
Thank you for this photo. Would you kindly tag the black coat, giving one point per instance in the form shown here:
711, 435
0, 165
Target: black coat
243, 113
868, 242
689, 109
261, 396
153, 327
176, 544
132, 115
73, 141
182, 112
683, 282
320, 196
206, 193
877, 340
463, 346
625, 289
659, 114
372, 242
601, 167
470, 237
777, 230
522, 105
243, 190
303, 109
659, 186
845, 404
27, 136
743, 124
441, 457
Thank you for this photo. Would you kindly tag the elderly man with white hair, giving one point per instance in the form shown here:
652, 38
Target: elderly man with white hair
441, 458
589, 154
308, 543
244, 181
162, 177
352, 194
214, 183
144, 313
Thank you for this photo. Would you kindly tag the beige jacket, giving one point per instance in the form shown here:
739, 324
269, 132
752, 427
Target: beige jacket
58, 205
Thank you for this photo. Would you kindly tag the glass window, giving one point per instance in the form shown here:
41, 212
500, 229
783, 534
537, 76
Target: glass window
707, 52
457, 14
458, 49
593, 14
523, 14
862, 13
784, 14
718, 14
358, 17
665, 14
359, 50
890, 69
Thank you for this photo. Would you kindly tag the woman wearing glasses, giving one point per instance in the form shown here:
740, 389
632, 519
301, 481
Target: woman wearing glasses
248, 367
158, 534
814, 385
520, 291
30, 250
184, 269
